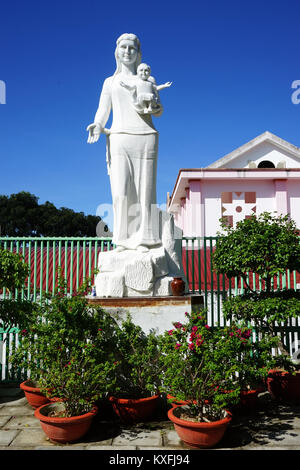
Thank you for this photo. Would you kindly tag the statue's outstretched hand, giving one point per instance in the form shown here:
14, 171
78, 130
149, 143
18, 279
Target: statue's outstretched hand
94, 131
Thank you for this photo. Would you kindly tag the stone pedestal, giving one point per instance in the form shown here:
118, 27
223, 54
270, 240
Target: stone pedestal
156, 313
134, 273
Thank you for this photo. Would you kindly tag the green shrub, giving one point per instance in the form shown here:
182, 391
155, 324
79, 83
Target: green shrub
69, 350
137, 356
267, 311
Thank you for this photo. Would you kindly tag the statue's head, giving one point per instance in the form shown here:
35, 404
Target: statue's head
144, 71
128, 49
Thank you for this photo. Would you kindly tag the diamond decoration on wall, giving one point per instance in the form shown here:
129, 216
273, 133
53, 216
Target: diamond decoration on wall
237, 206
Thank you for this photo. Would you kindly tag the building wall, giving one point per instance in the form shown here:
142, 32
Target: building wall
207, 201
264, 151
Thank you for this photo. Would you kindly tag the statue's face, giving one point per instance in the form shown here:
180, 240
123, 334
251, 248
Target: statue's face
144, 72
127, 51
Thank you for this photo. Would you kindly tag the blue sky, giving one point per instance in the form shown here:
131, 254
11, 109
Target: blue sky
231, 63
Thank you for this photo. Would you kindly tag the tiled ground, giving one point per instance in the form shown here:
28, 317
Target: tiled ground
268, 427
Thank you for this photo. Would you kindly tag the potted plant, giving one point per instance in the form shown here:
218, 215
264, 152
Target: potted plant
15, 310
137, 374
199, 369
67, 350
76, 386
264, 246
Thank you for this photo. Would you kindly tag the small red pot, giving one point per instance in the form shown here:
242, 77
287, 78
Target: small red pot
284, 385
33, 394
177, 286
134, 410
199, 435
64, 430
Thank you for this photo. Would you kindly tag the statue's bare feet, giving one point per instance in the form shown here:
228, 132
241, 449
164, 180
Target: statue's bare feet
119, 248
142, 249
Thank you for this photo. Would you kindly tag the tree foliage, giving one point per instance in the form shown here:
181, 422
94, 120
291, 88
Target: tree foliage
21, 215
265, 245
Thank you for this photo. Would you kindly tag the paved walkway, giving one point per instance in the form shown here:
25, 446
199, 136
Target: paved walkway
270, 426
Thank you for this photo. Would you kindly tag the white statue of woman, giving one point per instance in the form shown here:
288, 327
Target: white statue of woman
132, 146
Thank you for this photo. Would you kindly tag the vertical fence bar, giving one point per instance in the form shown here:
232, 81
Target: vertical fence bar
66, 266
95, 254
212, 300
59, 258
84, 261
41, 269
71, 267
199, 265
23, 256
205, 272
90, 259
53, 266
193, 267
77, 264
47, 267
17, 251
29, 275
187, 262
34, 270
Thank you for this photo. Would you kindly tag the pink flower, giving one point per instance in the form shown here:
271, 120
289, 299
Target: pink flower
178, 325
178, 345
170, 332
191, 346
207, 327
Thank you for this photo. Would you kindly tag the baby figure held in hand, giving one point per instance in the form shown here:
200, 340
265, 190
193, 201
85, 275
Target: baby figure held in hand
145, 91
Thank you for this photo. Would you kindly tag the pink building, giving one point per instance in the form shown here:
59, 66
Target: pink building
261, 175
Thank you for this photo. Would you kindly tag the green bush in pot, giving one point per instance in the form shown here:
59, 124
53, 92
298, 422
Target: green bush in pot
199, 363
204, 369
135, 396
68, 349
265, 246
137, 356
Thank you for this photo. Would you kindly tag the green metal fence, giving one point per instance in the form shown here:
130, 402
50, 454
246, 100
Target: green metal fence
75, 259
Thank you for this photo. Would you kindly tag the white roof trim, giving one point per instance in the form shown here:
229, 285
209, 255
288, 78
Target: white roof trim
265, 137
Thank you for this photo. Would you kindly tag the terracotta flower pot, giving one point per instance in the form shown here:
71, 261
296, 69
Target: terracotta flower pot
64, 430
134, 410
33, 394
177, 286
249, 398
196, 434
175, 402
284, 385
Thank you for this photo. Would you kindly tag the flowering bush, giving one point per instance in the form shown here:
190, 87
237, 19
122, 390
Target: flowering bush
137, 373
205, 365
68, 350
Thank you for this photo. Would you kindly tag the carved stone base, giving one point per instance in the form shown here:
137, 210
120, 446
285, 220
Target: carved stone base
133, 273
130, 273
